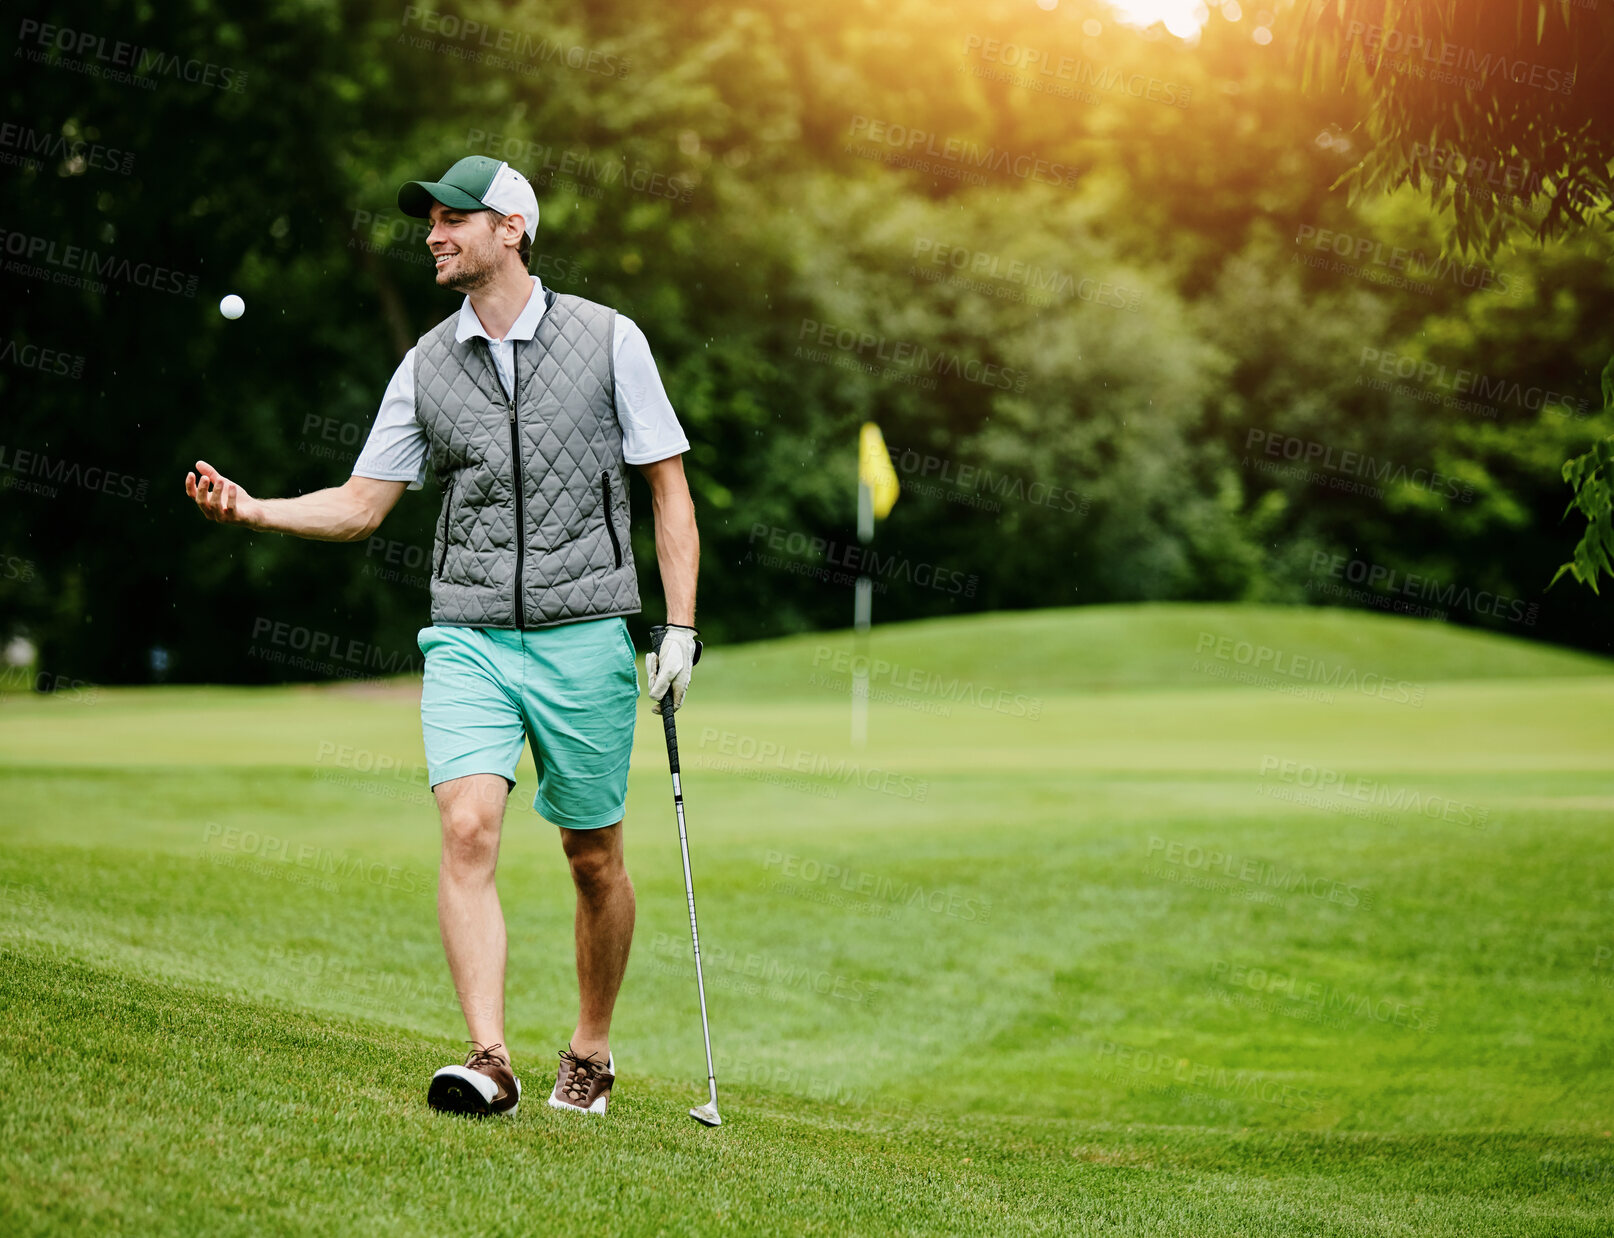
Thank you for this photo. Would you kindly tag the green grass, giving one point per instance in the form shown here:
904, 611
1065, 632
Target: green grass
1060, 952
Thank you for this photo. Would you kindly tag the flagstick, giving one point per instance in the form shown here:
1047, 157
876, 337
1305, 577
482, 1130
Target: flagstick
862, 613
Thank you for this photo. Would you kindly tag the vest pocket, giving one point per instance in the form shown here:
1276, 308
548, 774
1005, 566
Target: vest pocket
610, 519
442, 558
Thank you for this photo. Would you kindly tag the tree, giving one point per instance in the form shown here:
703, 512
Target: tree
1502, 115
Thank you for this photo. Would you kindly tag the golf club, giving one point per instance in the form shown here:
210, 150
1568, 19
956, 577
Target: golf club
706, 1113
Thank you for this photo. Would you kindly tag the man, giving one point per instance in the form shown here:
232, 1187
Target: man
527, 405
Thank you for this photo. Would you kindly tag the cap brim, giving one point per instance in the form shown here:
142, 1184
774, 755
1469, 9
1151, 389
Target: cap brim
416, 198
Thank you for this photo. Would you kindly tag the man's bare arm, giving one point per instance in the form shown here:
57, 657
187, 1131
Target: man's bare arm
678, 545
346, 513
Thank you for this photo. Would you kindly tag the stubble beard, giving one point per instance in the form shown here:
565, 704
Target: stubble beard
475, 270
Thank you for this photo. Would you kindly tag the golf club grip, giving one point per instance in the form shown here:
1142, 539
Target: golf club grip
669, 726
656, 633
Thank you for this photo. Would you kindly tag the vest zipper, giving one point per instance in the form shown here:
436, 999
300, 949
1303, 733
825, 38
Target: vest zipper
515, 455
442, 559
610, 522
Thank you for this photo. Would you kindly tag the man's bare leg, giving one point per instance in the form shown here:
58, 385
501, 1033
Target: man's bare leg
468, 911
604, 930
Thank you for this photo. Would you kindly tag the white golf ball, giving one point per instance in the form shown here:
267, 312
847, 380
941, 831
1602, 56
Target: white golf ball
232, 306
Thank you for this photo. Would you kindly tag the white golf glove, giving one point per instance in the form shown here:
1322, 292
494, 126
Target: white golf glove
671, 668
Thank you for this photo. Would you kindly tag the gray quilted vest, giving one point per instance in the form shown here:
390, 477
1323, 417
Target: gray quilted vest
534, 526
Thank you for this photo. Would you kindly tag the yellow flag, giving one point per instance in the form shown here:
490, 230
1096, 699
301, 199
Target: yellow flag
874, 469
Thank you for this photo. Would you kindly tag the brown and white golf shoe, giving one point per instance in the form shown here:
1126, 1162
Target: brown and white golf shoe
583, 1083
484, 1085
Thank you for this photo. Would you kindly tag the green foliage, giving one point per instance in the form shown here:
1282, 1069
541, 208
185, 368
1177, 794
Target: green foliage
1499, 113
1152, 306
1524, 145
1590, 477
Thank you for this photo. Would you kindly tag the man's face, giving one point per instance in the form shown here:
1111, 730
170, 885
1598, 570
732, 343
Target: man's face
466, 247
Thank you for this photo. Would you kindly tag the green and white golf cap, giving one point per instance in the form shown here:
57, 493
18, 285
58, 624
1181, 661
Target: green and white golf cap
475, 183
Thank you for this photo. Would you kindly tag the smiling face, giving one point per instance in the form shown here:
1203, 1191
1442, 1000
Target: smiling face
469, 247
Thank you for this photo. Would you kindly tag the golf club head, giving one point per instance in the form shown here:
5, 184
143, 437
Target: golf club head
706, 1114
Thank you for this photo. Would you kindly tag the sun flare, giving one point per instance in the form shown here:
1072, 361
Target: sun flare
1183, 18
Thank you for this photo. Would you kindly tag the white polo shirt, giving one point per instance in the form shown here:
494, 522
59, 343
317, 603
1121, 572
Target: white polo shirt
397, 449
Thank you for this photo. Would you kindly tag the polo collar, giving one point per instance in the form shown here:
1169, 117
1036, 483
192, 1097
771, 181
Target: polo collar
469, 326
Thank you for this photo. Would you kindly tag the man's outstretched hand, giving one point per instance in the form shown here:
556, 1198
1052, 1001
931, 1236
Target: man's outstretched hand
220, 499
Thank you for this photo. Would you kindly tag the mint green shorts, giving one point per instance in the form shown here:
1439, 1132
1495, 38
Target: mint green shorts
571, 690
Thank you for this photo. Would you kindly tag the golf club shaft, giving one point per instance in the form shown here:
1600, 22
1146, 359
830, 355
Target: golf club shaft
689, 883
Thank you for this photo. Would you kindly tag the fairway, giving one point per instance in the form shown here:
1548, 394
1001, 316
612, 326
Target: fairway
1128, 920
